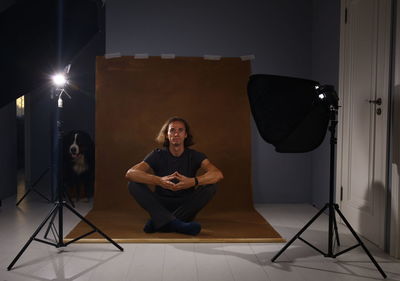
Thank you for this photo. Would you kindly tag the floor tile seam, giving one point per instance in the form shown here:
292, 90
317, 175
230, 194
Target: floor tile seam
126, 278
260, 263
227, 261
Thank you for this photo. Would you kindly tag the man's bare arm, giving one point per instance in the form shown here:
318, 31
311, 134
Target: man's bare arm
212, 175
141, 173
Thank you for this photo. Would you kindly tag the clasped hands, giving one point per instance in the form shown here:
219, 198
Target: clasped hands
184, 182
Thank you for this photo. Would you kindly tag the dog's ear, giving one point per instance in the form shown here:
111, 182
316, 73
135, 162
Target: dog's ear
67, 140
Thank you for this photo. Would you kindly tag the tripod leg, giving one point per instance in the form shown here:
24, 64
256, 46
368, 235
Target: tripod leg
50, 224
360, 242
22, 198
32, 187
336, 230
54, 210
47, 199
299, 233
94, 227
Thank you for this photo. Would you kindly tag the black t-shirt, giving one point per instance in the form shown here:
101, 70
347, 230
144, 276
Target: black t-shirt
164, 163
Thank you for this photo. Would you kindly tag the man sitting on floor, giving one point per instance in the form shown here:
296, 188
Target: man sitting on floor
179, 195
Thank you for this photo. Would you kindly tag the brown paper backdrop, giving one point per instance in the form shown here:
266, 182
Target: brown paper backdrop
134, 98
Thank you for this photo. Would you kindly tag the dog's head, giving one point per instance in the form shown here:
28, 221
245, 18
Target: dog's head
78, 144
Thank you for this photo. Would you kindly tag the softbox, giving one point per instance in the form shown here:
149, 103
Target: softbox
288, 112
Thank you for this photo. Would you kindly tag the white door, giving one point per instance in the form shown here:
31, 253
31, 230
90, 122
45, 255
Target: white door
362, 132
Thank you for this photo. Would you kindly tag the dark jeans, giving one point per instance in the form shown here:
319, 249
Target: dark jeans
163, 209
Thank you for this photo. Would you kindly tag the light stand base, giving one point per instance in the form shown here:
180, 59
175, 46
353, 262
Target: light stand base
330, 253
333, 208
58, 209
57, 183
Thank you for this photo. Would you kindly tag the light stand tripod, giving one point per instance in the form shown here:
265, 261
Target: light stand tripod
60, 202
332, 208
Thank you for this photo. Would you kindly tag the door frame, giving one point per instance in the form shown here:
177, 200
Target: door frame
383, 84
394, 235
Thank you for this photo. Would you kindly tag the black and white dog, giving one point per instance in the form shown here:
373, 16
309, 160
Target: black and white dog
78, 164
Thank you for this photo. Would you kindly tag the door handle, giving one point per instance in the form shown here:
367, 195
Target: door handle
377, 101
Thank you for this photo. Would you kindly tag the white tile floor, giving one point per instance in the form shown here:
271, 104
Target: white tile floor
182, 262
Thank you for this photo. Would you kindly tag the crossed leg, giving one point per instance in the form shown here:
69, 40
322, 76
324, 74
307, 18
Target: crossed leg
164, 210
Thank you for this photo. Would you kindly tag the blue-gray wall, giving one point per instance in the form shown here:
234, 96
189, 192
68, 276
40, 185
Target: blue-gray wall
8, 151
325, 69
8, 141
295, 38
281, 36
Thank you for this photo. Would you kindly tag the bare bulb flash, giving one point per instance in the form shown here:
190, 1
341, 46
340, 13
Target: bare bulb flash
59, 80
